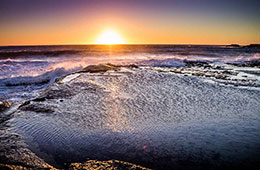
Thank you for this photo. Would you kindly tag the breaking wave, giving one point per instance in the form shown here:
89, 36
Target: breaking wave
20, 88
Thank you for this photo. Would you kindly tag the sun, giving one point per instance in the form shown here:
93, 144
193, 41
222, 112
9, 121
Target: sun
109, 37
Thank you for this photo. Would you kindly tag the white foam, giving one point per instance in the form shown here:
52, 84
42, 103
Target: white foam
70, 77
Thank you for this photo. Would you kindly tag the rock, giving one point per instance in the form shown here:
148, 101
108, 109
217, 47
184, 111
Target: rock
24, 104
4, 106
132, 66
14, 153
119, 104
90, 165
252, 46
253, 63
234, 45
57, 93
196, 63
219, 76
19, 167
109, 165
36, 107
218, 67
99, 68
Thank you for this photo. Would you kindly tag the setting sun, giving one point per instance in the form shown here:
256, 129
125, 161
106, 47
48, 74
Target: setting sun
109, 37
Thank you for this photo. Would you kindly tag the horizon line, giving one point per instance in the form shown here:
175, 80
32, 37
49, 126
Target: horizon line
31, 45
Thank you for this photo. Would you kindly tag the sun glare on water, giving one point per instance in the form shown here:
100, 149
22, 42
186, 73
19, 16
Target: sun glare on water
109, 37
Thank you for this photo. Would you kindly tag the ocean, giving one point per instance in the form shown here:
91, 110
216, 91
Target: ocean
24, 70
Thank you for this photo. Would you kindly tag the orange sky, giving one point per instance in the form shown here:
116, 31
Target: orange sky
135, 26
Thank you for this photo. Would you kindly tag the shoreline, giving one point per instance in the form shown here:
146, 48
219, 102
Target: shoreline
113, 88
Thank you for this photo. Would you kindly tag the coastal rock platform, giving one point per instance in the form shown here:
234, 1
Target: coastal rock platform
159, 120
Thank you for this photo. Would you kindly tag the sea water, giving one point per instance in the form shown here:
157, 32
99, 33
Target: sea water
24, 70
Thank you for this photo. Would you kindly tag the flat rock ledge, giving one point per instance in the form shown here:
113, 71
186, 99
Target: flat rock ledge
101, 68
89, 165
109, 165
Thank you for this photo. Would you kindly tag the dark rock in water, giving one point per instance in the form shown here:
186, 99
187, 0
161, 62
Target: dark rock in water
133, 66
196, 63
130, 66
220, 76
4, 106
234, 45
254, 63
252, 46
99, 68
110, 165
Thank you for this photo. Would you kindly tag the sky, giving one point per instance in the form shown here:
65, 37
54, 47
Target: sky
55, 22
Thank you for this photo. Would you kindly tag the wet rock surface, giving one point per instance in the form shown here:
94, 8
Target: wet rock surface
155, 118
202, 69
109, 165
226, 74
99, 68
15, 154
35, 107
4, 106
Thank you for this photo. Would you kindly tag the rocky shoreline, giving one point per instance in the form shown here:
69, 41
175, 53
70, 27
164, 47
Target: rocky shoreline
15, 154
114, 108
90, 165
